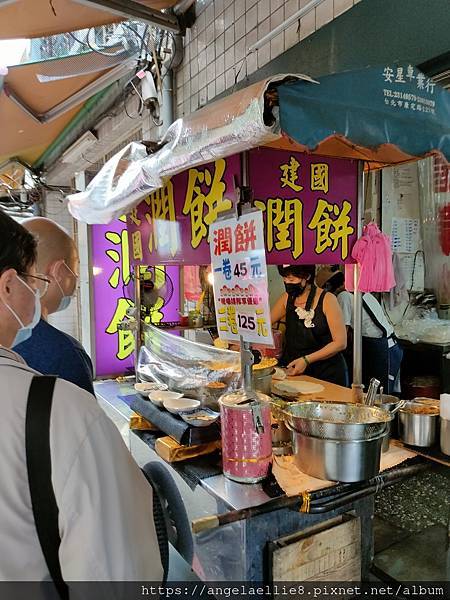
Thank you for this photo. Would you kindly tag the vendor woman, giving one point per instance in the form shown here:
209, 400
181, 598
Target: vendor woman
315, 331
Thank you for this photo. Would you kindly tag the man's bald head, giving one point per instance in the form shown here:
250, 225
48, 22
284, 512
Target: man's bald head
54, 243
56, 251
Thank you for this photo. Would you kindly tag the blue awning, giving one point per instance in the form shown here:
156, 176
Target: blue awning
379, 110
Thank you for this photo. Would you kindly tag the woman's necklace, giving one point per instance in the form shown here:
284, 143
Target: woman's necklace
307, 314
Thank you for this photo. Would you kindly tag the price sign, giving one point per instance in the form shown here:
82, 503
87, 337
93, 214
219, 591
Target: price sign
240, 279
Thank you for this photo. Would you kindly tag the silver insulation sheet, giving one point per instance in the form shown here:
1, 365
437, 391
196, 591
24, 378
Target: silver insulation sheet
226, 127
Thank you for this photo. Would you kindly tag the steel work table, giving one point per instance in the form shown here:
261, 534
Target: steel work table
237, 551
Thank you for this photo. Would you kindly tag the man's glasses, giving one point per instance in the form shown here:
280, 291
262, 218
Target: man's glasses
41, 283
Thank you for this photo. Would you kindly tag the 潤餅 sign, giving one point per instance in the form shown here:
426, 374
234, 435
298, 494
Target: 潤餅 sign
240, 279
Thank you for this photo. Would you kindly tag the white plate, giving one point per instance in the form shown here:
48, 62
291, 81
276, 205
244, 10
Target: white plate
299, 387
174, 405
158, 397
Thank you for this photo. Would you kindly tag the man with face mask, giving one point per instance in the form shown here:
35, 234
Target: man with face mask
101, 525
49, 350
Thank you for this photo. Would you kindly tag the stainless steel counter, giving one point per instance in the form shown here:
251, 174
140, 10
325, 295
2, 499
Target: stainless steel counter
234, 552
233, 495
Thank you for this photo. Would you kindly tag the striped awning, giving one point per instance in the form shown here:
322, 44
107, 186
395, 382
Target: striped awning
41, 18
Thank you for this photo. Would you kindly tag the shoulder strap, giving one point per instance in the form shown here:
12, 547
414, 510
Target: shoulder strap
43, 501
323, 293
373, 317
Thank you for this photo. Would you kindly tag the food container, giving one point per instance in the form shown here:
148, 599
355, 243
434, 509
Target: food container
337, 421
337, 460
445, 436
418, 424
246, 435
262, 380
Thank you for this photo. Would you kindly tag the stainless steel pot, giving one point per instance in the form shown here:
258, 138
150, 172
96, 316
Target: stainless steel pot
417, 429
262, 380
337, 460
337, 421
445, 436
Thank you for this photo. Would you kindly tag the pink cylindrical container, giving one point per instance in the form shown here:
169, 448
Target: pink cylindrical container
246, 436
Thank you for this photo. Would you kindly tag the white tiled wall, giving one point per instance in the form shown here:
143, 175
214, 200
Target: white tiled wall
216, 46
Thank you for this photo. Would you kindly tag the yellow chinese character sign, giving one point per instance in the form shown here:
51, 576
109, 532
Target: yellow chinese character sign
171, 225
111, 289
240, 279
309, 204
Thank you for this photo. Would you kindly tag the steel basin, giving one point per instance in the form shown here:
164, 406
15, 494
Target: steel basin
337, 421
337, 460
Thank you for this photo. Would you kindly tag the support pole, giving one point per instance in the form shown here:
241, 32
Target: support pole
246, 354
357, 298
137, 304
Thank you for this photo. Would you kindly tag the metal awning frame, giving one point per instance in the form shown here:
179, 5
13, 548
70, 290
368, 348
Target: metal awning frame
131, 9
96, 86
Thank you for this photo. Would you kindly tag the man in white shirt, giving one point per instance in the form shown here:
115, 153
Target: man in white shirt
381, 353
105, 508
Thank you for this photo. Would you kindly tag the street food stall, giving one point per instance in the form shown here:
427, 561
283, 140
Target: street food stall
301, 460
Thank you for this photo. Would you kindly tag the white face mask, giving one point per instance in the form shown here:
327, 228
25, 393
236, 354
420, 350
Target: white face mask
25, 331
65, 300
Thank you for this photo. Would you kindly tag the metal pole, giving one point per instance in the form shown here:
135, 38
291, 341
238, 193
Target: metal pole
246, 354
137, 304
357, 298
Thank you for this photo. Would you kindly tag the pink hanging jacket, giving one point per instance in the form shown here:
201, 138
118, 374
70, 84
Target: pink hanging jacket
374, 255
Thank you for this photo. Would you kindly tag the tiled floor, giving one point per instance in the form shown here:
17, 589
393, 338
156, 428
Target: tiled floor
412, 528
417, 503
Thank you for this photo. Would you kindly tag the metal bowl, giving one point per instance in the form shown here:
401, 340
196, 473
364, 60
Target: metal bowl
337, 421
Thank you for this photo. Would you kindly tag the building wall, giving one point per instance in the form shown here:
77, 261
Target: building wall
216, 46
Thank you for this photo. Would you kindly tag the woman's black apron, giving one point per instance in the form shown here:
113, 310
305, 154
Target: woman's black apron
301, 341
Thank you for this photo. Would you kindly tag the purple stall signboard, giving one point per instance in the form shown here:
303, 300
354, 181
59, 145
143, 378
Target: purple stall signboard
171, 225
111, 278
113, 290
309, 204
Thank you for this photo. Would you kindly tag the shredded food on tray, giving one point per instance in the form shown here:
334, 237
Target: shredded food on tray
422, 410
264, 364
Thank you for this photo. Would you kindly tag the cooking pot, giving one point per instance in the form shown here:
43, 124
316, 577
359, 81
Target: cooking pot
337, 460
417, 429
262, 380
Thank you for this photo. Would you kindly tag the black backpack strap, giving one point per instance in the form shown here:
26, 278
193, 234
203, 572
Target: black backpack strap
43, 501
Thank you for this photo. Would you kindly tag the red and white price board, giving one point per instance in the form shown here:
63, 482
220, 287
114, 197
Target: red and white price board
240, 279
